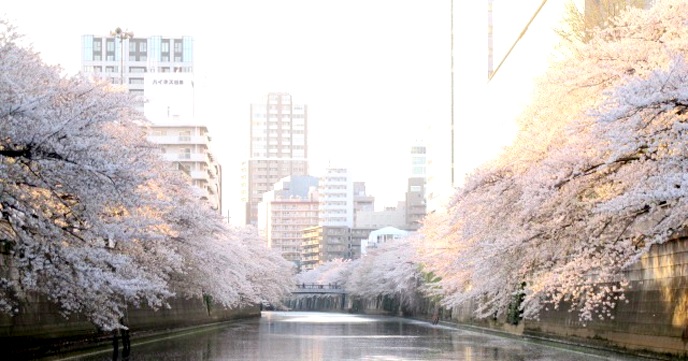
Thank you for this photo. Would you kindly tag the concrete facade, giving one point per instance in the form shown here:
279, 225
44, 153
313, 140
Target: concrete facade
285, 212
187, 147
278, 147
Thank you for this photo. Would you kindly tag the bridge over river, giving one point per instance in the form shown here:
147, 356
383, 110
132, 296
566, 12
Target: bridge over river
317, 297
317, 288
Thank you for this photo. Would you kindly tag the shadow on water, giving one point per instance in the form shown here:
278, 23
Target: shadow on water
331, 336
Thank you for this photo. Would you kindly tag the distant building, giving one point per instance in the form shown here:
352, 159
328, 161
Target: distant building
187, 147
336, 198
126, 61
325, 243
415, 199
419, 161
380, 236
286, 211
160, 70
278, 147
415, 209
362, 201
390, 216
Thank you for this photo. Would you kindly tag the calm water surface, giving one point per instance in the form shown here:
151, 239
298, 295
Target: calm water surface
312, 336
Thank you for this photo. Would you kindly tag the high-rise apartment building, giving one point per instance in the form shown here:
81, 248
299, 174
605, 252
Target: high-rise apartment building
125, 59
160, 70
336, 198
278, 147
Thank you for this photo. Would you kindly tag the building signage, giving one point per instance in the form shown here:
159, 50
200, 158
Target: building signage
168, 82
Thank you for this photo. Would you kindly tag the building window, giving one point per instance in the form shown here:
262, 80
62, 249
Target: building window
110, 45
142, 47
185, 153
135, 80
185, 136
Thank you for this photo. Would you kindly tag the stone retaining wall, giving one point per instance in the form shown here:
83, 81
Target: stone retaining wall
40, 330
653, 323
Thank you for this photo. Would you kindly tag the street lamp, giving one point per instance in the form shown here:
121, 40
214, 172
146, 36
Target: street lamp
121, 35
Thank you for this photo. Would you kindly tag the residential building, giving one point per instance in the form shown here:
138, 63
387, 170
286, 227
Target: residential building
326, 243
187, 147
356, 238
160, 70
336, 198
278, 147
126, 59
285, 212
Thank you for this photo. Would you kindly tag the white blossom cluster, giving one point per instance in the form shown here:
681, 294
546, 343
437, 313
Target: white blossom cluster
597, 175
92, 218
389, 270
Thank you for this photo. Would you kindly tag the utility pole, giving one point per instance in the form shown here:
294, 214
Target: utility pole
121, 35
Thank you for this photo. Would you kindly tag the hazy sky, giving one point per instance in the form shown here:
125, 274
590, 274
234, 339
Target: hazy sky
373, 73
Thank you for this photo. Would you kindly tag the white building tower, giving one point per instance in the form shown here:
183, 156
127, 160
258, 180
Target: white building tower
336, 198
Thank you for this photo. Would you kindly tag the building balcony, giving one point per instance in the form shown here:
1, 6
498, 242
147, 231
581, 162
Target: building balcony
199, 175
187, 157
177, 139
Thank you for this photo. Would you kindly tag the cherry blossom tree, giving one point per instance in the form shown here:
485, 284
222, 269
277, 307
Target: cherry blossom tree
92, 218
389, 270
595, 177
335, 271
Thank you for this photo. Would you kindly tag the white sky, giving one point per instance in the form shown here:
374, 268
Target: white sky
374, 73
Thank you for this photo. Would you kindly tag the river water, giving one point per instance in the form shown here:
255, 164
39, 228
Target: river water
313, 336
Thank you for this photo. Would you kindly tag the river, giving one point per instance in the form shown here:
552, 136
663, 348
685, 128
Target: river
313, 336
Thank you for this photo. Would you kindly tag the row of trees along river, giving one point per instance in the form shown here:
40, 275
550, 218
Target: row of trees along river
93, 219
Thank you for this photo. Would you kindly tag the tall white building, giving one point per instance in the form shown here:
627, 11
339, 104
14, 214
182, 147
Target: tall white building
278, 147
336, 198
160, 70
125, 59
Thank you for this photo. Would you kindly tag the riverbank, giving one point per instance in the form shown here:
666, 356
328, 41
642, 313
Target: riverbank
39, 331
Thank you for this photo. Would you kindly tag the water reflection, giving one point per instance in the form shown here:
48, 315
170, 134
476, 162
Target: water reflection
313, 336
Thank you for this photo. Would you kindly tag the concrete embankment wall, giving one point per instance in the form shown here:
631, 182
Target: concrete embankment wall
653, 323
654, 319
39, 329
